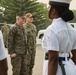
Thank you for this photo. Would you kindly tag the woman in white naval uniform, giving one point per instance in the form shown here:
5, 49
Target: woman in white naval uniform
59, 40
3, 57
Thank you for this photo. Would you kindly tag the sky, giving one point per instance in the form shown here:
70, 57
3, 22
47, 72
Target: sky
72, 5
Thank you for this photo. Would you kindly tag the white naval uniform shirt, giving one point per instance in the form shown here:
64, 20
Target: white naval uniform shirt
2, 48
61, 37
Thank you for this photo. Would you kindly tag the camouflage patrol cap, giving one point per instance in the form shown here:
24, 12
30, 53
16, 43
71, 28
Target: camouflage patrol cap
28, 15
21, 15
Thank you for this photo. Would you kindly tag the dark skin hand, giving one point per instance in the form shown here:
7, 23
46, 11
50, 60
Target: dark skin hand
53, 62
74, 56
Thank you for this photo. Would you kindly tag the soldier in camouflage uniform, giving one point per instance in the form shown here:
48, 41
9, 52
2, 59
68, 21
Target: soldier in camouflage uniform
5, 31
17, 40
31, 41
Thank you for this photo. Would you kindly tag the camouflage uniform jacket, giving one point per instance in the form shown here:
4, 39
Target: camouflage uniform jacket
17, 40
31, 36
4, 30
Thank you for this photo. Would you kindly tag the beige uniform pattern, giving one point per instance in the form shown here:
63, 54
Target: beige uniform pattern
31, 46
17, 44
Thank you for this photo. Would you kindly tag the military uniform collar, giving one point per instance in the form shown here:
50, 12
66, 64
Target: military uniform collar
20, 27
29, 24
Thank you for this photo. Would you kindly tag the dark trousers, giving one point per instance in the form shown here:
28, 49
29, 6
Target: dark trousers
3, 67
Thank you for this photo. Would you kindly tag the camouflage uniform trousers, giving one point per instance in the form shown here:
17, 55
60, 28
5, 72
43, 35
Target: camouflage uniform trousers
19, 64
31, 61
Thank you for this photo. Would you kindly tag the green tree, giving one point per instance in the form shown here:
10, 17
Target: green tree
74, 20
12, 7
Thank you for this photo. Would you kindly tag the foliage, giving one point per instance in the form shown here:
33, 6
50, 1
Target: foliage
12, 7
74, 20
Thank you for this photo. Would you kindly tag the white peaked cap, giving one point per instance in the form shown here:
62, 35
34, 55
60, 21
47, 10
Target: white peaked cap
61, 1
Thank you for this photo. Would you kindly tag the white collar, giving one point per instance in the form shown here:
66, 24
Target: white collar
57, 19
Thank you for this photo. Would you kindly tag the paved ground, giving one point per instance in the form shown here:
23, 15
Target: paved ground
38, 62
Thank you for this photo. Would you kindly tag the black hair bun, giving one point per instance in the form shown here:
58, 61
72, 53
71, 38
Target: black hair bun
67, 15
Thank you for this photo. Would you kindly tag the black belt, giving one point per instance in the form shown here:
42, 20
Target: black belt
60, 58
63, 59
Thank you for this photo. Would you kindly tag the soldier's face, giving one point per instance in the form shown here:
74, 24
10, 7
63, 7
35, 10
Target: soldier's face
21, 19
29, 19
